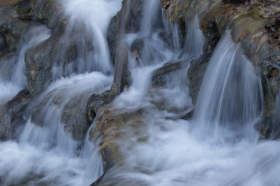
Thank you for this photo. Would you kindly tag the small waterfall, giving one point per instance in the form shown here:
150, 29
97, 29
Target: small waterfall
173, 31
45, 152
229, 98
150, 14
89, 19
217, 147
12, 68
195, 39
57, 108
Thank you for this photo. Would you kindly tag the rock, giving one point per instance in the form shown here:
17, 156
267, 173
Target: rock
264, 128
74, 118
3, 44
5, 125
11, 115
105, 128
108, 125
98, 180
96, 102
112, 37
57, 51
49, 12
128, 79
196, 73
23, 9
22, 98
236, 2
128, 20
121, 51
158, 77
137, 48
135, 14
188, 116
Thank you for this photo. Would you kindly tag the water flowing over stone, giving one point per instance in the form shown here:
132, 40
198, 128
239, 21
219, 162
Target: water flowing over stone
230, 96
101, 92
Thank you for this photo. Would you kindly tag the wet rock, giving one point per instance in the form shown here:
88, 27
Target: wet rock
96, 102
212, 34
196, 73
3, 43
106, 125
112, 37
188, 116
21, 99
74, 118
98, 180
128, 79
135, 16
11, 115
13, 31
137, 48
5, 125
128, 20
121, 51
236, 2
23, 9
158, 77
264, 128
58, 51
49, 12
71, 114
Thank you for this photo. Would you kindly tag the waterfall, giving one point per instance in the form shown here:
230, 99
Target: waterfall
229, 98
195, 39
157, 145
52, 147
12, 69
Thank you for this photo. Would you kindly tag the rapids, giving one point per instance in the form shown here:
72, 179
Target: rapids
218, 146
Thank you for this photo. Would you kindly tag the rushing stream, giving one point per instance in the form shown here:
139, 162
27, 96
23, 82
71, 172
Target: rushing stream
218, 146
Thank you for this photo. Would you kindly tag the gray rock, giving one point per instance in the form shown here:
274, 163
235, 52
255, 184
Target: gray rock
74, 118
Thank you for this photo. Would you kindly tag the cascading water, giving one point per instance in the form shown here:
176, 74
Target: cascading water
44, 152
12, 78
217, 147
229, 98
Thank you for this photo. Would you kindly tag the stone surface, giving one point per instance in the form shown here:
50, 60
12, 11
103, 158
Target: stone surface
74, 118
96, 102
11, 115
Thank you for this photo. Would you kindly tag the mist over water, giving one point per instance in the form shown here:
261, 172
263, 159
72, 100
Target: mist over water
218, 146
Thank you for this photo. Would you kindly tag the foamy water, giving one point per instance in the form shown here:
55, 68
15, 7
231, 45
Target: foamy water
217, 147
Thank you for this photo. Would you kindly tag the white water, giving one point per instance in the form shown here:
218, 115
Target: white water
47, 154
175, 152
12, 69
219, 146
230, 97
